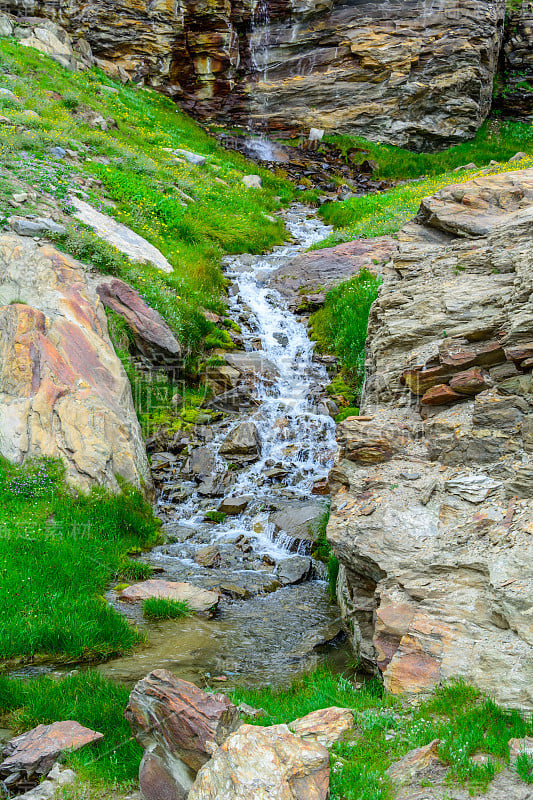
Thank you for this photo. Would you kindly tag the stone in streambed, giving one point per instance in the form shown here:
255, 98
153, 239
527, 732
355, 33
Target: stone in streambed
257, 762
242, 443
235, 505
198, 599
37, 750
300, 521
293, 570
180, 727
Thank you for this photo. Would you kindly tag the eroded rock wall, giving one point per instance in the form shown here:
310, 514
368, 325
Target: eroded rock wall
432, 516
63, 390
514, 95
414, 73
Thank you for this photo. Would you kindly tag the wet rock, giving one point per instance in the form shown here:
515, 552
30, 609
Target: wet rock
37, 750
63, 391
256, 363
120, 236
209, 556
300, 522
235, 505
264, 762
179, 727
197, 599
294, 570
242, 443
153, 338
201, 463
325, 726
415, 763
238, 399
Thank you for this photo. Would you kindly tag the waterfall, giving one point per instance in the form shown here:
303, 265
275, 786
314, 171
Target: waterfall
259, 146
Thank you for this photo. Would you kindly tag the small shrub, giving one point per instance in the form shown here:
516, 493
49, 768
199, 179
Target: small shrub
155, 608
135, 571
524, 767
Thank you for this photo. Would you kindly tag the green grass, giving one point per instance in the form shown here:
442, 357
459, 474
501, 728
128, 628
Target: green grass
384, 213
340, 326
496, 140
59, 550
524, 767
387, 728
89, 699
322, 551
155, 608
143, 178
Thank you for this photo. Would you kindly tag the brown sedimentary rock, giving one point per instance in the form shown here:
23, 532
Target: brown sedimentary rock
410, 72
437, 582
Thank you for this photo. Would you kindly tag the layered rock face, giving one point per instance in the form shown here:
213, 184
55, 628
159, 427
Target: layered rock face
432, 514
415, 73
515, 86
63, 391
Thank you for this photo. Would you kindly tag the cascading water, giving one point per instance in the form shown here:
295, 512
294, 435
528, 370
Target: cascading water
258, 146
266, 627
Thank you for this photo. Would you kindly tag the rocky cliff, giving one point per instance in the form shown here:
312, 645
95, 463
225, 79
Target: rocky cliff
515, 84
414, 73
432, 517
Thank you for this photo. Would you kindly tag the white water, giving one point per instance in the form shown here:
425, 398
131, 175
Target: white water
294, 436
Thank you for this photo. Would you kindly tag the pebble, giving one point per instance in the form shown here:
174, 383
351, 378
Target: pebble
58, 152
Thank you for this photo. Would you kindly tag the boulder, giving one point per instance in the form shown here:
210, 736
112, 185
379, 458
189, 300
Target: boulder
252, 181
37, 226
436, 574
235, 505
192, 158
242, 443
53, 40
63, 391
180, 727
316, 271
519, 746
299, 522
264, 763
293, 570
197, 599
325, 726
415, 763
154, 340
37, 750
120, 236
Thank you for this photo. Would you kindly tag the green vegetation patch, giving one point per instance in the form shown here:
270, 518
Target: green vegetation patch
193, 214
155, 608
92, 701
340, 327
497, 140
59, 550
386, 728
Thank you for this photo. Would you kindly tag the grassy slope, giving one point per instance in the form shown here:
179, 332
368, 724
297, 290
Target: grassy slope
58, 552
130, 164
